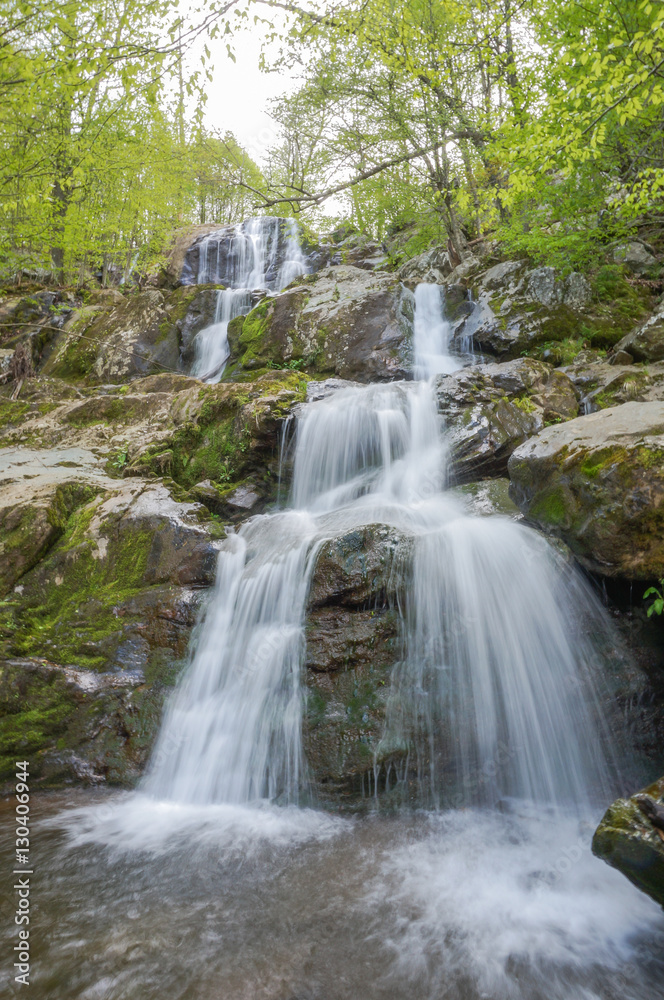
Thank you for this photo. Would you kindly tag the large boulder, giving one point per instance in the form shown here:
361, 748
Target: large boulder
517, 307
94, 634
600, 384
636, 257
352, 644
598, 483
344, 321
491, 409
112, 340
630, 838
646, 341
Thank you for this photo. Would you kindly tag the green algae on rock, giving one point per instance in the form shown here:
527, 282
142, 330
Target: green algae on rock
627, 840
598, 483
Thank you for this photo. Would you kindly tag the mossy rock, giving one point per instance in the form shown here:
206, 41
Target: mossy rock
627, 840
598, 483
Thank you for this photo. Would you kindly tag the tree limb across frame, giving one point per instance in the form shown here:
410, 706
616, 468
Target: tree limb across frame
317, 199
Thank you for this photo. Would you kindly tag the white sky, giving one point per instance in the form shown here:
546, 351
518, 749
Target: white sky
239, 94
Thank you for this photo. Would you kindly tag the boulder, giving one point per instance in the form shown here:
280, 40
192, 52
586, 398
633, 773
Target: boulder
352, 644
344, 321
116, 340
517, 307
646, 341
92, 636
630, 838
601, 384
635, 257
431, 267
491, 409
597, 482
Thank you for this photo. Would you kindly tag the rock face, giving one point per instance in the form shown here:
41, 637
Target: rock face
104, 561
599, 384
352, 645
491, 409
343, 321
646, 342
598, 483
94, 634
135, 335
628, 839
432, 267
518, 307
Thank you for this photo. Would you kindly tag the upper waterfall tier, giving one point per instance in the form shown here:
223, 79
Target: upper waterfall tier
259, 253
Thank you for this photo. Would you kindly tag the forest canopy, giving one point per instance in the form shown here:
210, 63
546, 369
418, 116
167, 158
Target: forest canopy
538, 122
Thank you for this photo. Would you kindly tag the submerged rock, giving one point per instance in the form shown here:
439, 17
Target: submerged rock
343, 321
630, 838
598, 483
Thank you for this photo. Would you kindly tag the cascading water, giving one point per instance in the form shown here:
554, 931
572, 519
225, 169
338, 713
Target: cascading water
494, 694
211, 344
491, 655
433, 333
261, 254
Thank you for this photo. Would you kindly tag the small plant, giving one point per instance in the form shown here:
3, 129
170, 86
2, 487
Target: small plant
121, 458
657, 606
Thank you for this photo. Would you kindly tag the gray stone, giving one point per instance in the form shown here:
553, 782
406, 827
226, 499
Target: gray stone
597, 482
635, 257
646, 341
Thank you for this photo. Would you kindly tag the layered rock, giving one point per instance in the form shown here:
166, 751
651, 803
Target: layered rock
518, 307
352, 643
491, 409
646, 341
598, 483
630, 838
344, 321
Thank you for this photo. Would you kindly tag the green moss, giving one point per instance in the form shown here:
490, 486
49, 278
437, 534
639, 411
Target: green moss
525, 404
550, 507
12, 413
35, 710
71, 609
596, 462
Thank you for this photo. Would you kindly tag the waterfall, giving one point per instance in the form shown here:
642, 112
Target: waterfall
496, 672
211, 344
432, 334
261, 254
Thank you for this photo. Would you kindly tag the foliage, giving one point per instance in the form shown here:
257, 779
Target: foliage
101, 157
657, 606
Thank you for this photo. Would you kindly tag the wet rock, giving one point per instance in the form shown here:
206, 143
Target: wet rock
597, 482
344, 321
630, 838
350, 655
362, 565
646, 342
601, 384
488, 498
491, 409
517, 307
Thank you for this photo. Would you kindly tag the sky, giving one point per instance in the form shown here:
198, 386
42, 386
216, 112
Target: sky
238, 97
